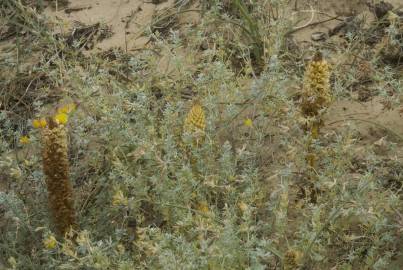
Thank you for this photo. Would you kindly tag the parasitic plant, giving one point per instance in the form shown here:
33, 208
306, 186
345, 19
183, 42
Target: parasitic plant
316, 97
56, 170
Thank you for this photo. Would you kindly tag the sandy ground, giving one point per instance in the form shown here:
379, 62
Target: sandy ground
127, 19
319, 11
374, 123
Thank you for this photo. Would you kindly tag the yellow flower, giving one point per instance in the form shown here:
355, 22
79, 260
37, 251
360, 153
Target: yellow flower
248, 122
61, 118
50, 242
243, 206
24, 140
39, 123
120, 248
66, 109
203, 207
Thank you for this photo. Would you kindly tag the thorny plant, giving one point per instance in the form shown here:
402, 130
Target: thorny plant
148, 196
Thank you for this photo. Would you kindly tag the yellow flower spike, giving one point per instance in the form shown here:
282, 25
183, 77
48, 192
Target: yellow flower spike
56, 170
195, 120
195, 124
248, 122
316, 94
66, 109
61, 118
50, 242
24, 140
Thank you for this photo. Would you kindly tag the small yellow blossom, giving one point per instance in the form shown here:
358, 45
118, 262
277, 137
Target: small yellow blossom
50, 242
66, 109
120, 248
119, 199
292, 259
243, 206
24, 140
39, 123
43, 122
203, 207
248, 122
61, 118
28, 162
36, 123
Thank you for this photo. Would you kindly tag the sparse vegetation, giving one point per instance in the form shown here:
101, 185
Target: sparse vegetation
220, 142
